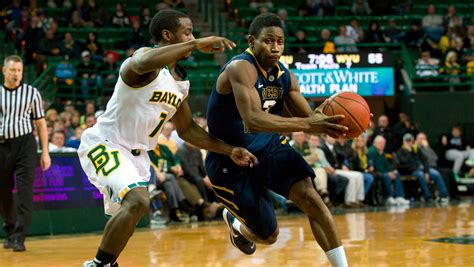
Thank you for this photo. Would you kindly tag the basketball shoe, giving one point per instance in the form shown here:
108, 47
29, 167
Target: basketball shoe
236, 238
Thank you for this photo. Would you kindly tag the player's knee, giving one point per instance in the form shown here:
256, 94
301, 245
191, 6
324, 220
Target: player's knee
273, 237
136, 203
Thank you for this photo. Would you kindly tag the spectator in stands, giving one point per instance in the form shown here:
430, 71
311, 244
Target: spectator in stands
325, 8
65, 71
108, 70
414, 37
426, 66
166, 168
354, 193
306, 9
301, 44
90, 110
257, 4
80, 16
57, 144
137, 39
120, 18
360, 162
355, 31
403, 126
165, 137
328, 45
65, 118
453, 69
343, 42
422, 143
193, 169
93, 46
91, 120
450, 19
361, 8
394, 34
412, 162
310, 154
382, 165
283, 15
145, 18
457, 149
374, 34
49, 46
75, 140
32, 35
86, 73
383, 129
51, 115
69, 47
433, 24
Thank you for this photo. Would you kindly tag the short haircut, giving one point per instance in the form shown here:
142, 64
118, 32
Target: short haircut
263, 21
63, 133
13, 58
165, 20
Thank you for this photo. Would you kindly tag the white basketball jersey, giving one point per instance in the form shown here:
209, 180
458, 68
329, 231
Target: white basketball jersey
134, 116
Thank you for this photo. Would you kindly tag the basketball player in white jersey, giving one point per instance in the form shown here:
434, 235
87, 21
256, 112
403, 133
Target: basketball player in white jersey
151, 89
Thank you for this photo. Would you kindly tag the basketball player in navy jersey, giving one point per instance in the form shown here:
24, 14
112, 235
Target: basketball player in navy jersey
245, 109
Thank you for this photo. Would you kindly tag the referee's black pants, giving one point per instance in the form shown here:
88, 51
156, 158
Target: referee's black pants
17, 156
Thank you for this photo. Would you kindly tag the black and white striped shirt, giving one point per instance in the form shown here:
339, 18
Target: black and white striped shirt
18, 107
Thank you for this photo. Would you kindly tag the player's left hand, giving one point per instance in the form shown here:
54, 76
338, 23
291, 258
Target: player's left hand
243, 157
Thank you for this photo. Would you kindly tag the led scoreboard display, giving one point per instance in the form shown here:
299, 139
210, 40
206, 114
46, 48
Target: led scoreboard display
320, 75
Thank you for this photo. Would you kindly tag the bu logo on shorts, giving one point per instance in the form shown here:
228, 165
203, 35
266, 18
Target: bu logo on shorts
100, 158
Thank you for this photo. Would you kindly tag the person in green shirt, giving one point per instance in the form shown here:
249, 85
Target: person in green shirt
381, 163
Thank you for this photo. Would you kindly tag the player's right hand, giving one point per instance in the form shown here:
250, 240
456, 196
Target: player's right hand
322, 124
243, 157
214, 44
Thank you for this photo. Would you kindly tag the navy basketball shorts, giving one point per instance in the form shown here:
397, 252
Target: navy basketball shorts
244, 191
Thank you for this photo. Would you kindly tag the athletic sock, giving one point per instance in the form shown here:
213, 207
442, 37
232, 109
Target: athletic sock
337, 257
103, 258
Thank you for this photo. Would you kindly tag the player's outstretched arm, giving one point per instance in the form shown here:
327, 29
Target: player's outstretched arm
190, 132
146, 60
242, 76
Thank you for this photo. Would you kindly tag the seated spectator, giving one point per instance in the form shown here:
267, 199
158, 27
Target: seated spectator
361, 8
57, 144
383, 129
414, 38
283, 15
453, 69
451, 19
374, 34
306, 9
301, 44
457, 149
91, 120
354, 194
146, 17
137, 39
166, 168
403, 126
325, 8
426, 66
75, 140
32, 35
328, 45
65, 71
360, 162
51, 115
343, 42
108, 70
86, 73
311, 156
355, 31
193, 169
90, 110
382, 165
394, 34
165, 137
94, 47
468, 54
49, 46
433, 24
412, 162
120, 18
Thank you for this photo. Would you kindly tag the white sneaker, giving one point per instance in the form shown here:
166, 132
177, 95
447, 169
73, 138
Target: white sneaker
89, 264
402, 201
390, 201
444, 200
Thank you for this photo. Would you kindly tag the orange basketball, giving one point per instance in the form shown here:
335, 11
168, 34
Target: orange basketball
354, 108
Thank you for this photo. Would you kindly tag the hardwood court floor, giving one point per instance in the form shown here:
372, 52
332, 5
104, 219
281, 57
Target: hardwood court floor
388, 238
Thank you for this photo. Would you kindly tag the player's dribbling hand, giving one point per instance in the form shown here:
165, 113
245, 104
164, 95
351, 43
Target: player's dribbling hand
321, 123
214, 44
243, 157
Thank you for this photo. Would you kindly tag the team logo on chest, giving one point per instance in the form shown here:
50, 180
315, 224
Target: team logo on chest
165, 97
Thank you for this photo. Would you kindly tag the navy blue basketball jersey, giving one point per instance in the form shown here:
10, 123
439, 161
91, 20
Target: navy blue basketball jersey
223, 117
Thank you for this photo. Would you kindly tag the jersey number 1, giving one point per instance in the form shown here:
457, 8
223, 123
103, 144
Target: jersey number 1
157, 129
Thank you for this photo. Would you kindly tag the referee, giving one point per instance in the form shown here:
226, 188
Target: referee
19, 105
